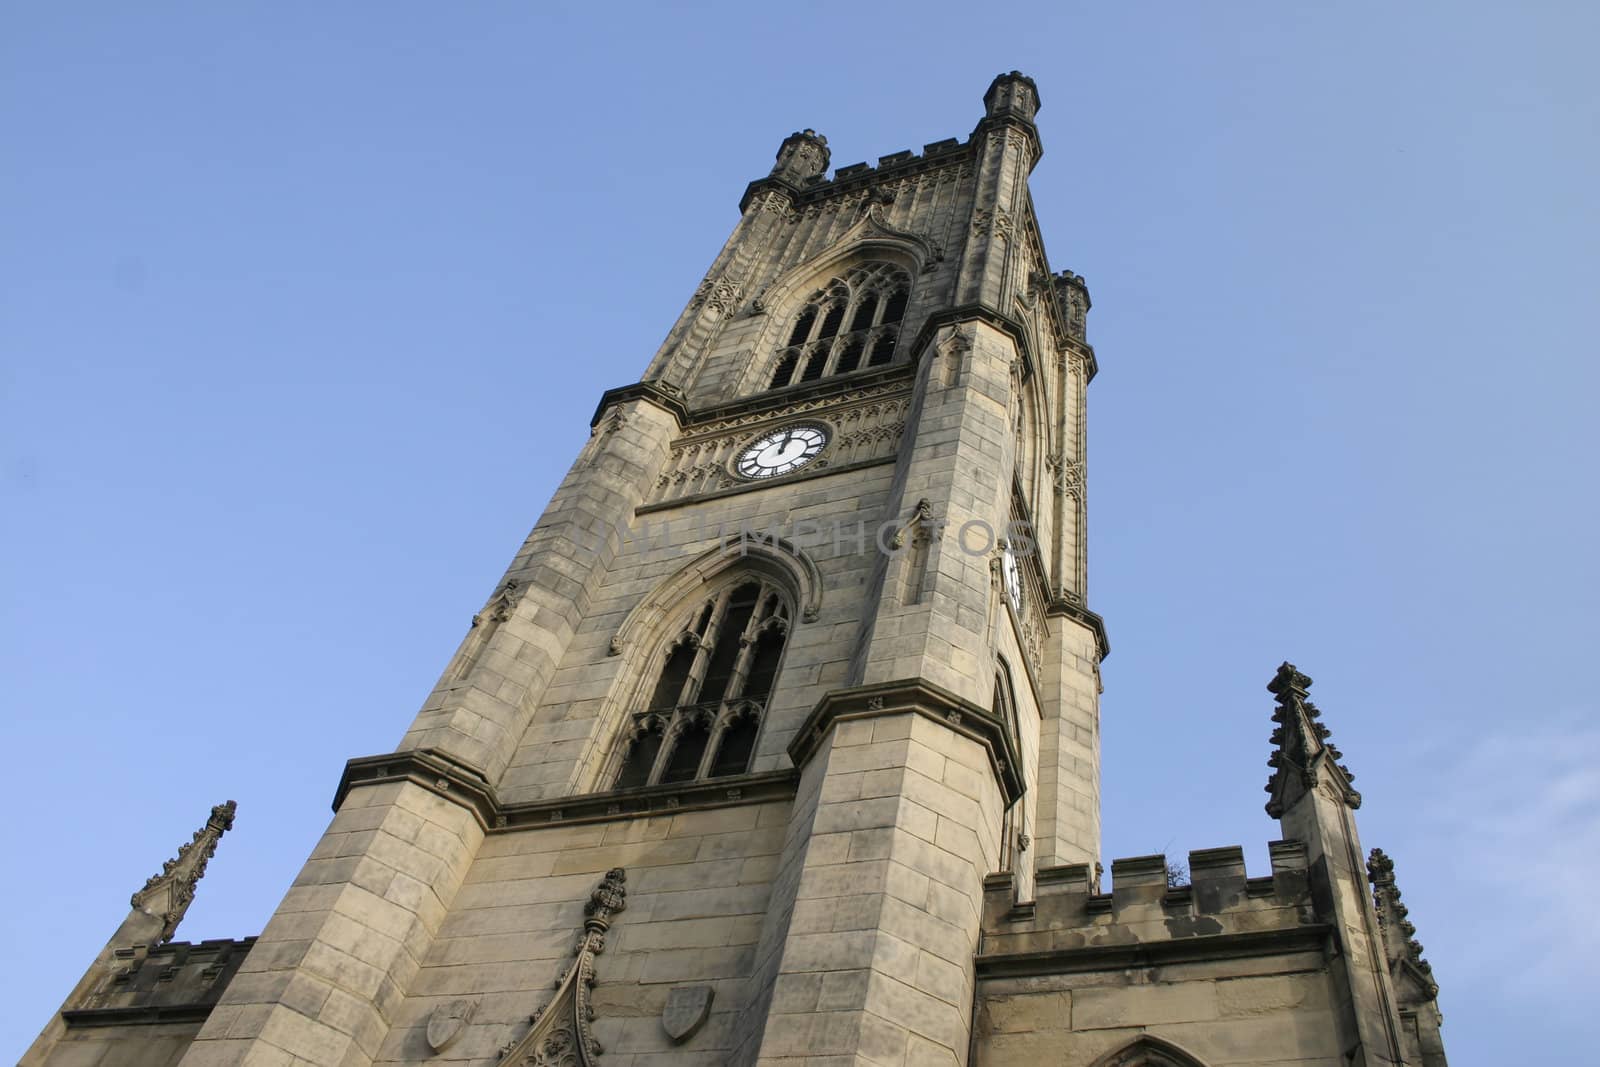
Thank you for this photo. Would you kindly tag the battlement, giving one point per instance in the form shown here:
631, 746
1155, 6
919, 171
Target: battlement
176, 982
1143, 908
937, 151
855, 176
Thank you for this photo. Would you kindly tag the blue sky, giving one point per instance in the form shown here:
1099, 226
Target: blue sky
303, 310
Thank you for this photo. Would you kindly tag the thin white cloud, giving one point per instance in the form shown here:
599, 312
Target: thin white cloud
1516, 820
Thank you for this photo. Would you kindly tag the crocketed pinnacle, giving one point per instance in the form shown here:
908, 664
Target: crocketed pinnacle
1398, 934
167, 895
1301, 745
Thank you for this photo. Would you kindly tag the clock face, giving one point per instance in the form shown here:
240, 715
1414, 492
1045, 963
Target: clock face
782, 451
1013, 577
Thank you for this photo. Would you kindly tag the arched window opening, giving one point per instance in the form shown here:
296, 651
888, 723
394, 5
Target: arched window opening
815, 365
784, 372
764, 666
716, 678
896, 308
738, 743
851, 322
1148, 1051
640, 758
674, 673
849, 357
831, 322
882, 350
866, 313
802, 326
730, 639
688, 748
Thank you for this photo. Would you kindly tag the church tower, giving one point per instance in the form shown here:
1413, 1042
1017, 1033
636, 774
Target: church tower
778, 741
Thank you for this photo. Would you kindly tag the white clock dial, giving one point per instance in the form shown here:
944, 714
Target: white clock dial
782, 451
1013, 577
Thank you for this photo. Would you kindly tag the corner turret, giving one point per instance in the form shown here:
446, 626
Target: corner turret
802, 158
1012, 95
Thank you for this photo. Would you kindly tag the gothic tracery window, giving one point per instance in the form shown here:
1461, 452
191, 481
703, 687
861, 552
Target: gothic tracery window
850, 323
715, 677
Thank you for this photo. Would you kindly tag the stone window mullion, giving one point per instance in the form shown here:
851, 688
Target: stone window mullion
735, 689
669, 741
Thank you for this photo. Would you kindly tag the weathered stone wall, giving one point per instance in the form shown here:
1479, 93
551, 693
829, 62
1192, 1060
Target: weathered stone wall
570, 743
697, 889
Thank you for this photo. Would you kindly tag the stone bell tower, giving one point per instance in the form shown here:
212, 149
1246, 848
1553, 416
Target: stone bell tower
778, 741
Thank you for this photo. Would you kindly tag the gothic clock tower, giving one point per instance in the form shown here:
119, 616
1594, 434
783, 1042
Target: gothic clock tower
778, 741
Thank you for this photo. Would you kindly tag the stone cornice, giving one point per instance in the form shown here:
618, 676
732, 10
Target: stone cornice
921, 698
978, 312
426, 768
1062, 608
430, 770
670, 400
774, 400
668, 799
1311, 937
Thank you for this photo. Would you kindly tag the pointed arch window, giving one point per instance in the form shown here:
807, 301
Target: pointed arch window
850, 323
713, 680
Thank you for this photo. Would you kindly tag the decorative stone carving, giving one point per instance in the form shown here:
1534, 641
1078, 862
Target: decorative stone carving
720, 295
687, 1009
167, 895
802, 156
447, 1021
865, 424
561, 1035
501, 605
1302, 747
1002, 224
1403, 949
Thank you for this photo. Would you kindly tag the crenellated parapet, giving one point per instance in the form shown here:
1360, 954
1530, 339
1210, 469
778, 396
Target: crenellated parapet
1147, 914
179, 981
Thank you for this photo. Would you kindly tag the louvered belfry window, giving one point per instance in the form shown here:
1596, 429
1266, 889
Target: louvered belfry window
850, 323
715, 677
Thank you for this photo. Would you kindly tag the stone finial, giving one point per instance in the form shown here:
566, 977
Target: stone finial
1301, 745
1399, 943
166, 896
803, 156
1012, 95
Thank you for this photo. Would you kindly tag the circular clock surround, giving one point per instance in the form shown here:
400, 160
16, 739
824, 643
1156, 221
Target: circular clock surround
782, 450
1013, 578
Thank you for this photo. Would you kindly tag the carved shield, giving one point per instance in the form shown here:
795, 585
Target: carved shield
447, 1022
686, 1011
